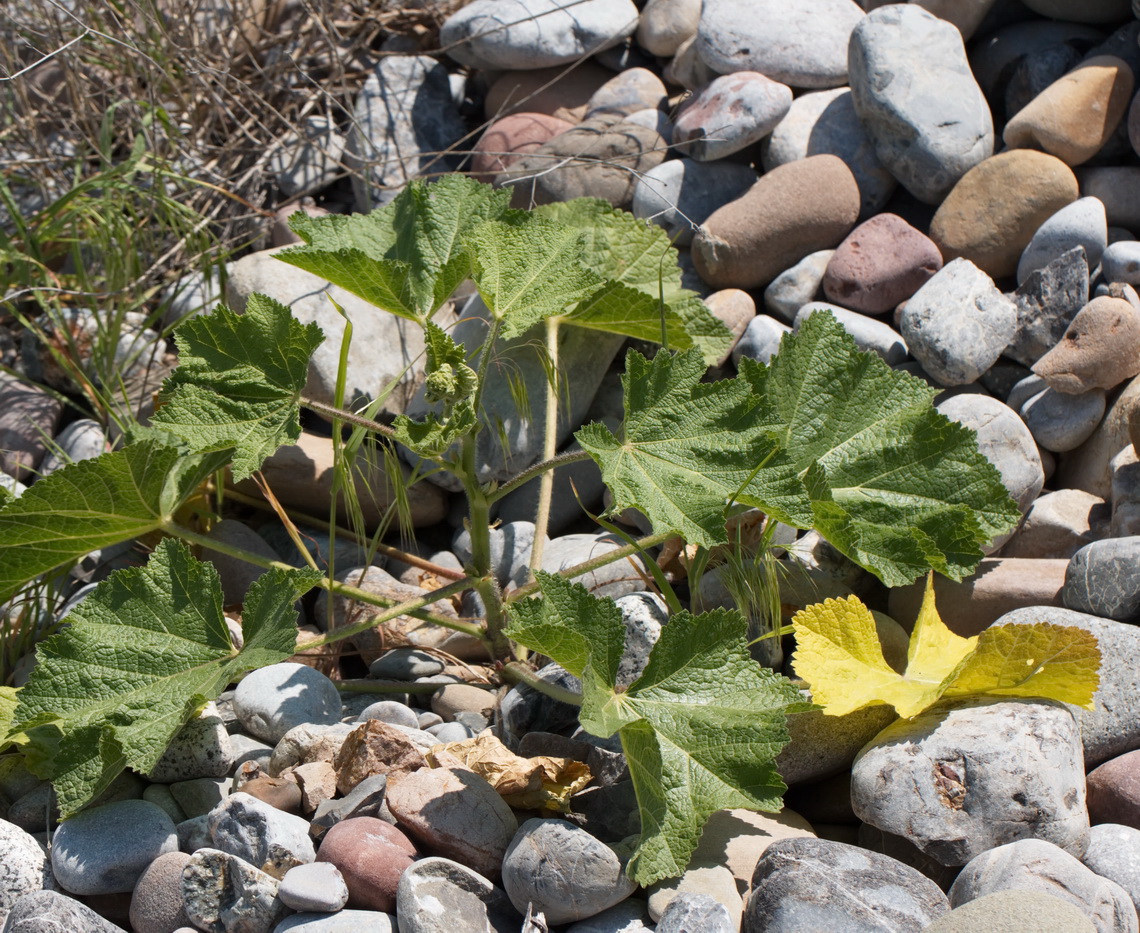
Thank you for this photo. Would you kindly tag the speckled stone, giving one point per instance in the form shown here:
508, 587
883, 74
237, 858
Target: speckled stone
434, 892
1114, 853
23, 869
156, 903
263, 836
224, 894
52, 912
1014, 911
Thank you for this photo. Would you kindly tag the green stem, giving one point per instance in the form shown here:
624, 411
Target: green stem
549, 446
600, 561
543, 466
412, 607
332, 413
521, 674
485, 362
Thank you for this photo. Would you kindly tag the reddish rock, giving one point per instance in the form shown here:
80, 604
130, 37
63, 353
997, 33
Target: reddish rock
1114, 791
734, 309
156, 904
375, 747
454, 813
881, 263
508, 139
792, 211
730, 114
277, 792
1100, 349
371, 855
559, 92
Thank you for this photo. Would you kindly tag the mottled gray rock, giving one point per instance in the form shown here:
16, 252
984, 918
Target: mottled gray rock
966, 776
343, 921
1005, 441
643, 615
267, 838
435, 892
307, 742
528, 34
1061, 422
628, 916
384, 349
826, 122
318, 887
1037, 865
523, 709
796, 286
156, 902
1113, 726
1103, 579
403, 121
680, 194
730, 114
398, 714
1047, 301
23, 869
958, 323
1121, 262
761, 340
1114, 853
81, 440
52, 912
868, 333
224, 894
28, 415
305, 161
511, 545
199, 795
802, 43
619, 578
691, 912
917, 99
365, 799
103, 850
563, 871
1081, 223
201, 748
818, 884
272, 700
1016, 910
405, 664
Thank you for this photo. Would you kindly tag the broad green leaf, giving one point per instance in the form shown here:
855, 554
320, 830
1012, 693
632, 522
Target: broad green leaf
528, 270
140, 656
6, 495
888, 480
1038, 660
686, 446
8, 697
407, 257
839, 656
622, 309
238, 382
95, 503
700, 728
433, 436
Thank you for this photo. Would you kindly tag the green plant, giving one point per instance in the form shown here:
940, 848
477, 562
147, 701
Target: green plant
824, 437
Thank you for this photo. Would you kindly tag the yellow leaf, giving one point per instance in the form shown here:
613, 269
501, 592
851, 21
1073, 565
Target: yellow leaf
1040, 660
839, 656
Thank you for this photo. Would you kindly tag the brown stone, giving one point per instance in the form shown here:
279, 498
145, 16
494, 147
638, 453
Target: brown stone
560, 92
455, 813
792, 211
301, 477
998, 586
281, 793
602, 157
156, 903
375, 747
280, 233
1100, 349
371, 855
735, 839
462, 698
665, 24
509, 139
734, 309
1057, 525
1076, 114
1114, 791
991, 214
881, 263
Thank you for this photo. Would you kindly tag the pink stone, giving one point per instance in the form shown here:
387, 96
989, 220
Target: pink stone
882, 262
730, 114
371, 855
507, 140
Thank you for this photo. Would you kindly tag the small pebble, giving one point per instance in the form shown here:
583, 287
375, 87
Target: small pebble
316, 887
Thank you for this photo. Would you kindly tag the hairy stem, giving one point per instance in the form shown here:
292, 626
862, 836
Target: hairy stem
549, 446
521, 674
540, 468
334, 414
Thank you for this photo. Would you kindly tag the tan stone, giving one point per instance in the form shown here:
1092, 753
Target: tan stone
792, 211
560, 92
734, 309
967, 15
301, 477
451, 699
1058, 524
665, 24
1089, 467
509, 139
998, 586
317, 780
375, 747
991, 214
1076, 114
699, 878
735, 839
1099, 350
